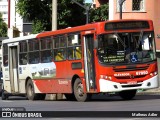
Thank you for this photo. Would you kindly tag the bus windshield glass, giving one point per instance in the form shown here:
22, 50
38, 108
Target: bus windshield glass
126, 48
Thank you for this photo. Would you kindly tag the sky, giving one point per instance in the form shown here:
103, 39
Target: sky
88, 1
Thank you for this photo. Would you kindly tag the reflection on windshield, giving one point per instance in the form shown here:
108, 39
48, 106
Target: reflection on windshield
126, 47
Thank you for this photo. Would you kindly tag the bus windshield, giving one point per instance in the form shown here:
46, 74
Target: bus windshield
125, 48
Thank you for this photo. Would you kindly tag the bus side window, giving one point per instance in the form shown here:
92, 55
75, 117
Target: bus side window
23, 56
62, 41
46, 46
5, 55
59, 47
23, 59
78, 53
74, 47
71, 53
59, 55
34, 53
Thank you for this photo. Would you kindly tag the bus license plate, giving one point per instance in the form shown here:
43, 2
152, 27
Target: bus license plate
132, 82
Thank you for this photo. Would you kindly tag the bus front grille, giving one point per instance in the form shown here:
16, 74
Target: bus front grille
136, 85
129, 77
130, 68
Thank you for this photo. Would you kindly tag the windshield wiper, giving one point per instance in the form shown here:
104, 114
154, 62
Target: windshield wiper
140, 39
120, 40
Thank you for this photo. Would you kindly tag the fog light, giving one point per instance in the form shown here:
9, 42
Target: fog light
148, 84
115, 86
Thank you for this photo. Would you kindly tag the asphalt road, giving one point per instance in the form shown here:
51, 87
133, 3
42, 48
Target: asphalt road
98, 103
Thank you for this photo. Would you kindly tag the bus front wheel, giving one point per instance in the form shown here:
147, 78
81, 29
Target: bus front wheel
30, 90
128, 94
79, 91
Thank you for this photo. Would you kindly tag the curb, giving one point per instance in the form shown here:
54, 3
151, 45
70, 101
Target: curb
149, 92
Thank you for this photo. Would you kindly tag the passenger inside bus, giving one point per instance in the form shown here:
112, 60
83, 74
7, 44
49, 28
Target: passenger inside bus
74, 53
23, 59
59, 57
78, 53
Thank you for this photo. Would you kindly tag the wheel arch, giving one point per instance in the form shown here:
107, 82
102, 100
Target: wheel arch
73, 80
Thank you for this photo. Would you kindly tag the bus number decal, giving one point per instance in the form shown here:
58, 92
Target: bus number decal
142, 73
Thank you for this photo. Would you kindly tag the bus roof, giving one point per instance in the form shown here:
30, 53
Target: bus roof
19, 38
91, 26
86, 27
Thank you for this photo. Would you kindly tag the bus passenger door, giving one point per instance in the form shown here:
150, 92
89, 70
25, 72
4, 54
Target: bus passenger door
89, 65
13, 66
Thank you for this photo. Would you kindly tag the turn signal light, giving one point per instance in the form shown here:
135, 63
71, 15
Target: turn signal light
105, 77
154, 73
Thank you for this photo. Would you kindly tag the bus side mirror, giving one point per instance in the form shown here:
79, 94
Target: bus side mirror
95, 44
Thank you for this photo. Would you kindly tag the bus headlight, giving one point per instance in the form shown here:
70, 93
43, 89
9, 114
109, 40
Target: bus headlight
105, 77
154, 73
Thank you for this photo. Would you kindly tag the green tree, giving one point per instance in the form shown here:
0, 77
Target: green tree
69, 13
37, 26
3, 27
40, 13
100, 13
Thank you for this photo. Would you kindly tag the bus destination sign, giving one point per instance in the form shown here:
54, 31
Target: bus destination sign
127, 25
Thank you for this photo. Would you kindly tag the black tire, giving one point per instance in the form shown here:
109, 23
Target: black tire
70, 97
128, 95
30, 91
79, 91
4, 96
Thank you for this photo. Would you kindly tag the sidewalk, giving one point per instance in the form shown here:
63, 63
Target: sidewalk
155, 91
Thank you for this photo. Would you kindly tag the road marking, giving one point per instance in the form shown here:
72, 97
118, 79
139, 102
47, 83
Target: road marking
6, 101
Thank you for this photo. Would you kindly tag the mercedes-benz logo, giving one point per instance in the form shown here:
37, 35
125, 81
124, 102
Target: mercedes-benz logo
132, 76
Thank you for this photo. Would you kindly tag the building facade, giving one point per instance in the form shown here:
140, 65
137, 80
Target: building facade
16, 25
15, 21
136, 9
4, 10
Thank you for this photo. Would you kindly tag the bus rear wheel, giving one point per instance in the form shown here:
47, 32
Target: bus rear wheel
30, 91
128, 94
79, 91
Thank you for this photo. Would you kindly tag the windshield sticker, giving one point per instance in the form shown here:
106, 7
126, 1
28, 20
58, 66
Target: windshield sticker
133, 58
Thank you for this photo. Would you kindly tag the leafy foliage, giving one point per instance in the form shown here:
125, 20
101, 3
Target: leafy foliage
37, 26
69, 14
3, 27
40, 12
100, 13
37, 11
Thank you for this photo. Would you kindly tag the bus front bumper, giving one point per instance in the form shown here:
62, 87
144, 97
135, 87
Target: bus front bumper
109, 86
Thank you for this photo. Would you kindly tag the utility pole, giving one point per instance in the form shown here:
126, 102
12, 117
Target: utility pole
54, 27
86, 8
120, 7
54, 14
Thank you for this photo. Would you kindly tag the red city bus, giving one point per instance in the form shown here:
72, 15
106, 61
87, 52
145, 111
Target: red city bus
116, 56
